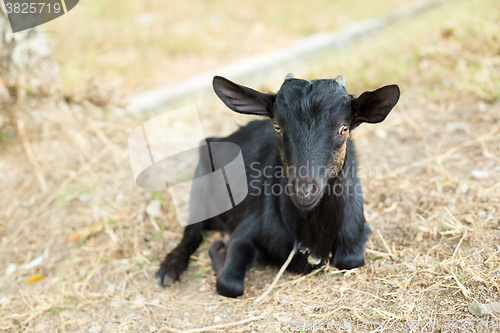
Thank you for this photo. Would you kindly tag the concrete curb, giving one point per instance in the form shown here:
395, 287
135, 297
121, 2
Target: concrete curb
266, 63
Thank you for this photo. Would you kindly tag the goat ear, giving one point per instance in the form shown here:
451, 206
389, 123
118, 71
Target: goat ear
373, 106
242, 99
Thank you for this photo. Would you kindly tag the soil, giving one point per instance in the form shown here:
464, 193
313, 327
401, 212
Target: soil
430, 177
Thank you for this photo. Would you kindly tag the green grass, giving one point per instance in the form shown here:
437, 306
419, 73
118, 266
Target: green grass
3, 138
143, 44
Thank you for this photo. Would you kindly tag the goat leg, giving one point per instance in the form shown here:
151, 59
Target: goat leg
231, 265
177, 261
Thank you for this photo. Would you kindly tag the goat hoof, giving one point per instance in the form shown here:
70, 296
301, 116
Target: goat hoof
230, 291
165, 278
229, 287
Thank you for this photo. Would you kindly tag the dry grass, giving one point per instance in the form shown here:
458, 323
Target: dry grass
144, 44
435, 217
452, 50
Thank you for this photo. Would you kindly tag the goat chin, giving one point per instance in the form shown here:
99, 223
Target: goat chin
309, 206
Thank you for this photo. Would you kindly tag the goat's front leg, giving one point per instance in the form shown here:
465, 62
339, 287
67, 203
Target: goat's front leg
231, 264
177, 261
351, 254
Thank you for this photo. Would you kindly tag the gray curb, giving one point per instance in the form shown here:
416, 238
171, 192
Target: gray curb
264, 64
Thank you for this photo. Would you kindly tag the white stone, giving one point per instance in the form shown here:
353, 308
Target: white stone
116, 304
452, 127
480, 174
154, 208
481, 106
381, 134
120, 198
145, 19
84, 197
95, 329
284, 301
282, 317
111, 288
11, 269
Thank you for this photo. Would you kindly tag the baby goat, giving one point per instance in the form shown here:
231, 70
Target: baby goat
314, 202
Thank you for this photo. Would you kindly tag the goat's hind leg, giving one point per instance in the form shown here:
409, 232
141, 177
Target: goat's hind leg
231, 264
177, 261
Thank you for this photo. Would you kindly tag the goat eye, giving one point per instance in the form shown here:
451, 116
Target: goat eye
343, 130
277, 128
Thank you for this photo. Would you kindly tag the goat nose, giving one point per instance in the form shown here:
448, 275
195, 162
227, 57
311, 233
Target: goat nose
305, 191
305, 187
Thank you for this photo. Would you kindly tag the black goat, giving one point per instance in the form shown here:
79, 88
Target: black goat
314, 202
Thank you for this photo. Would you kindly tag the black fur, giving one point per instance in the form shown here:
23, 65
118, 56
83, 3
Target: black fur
323, 211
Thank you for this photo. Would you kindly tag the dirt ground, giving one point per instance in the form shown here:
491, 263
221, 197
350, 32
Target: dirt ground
431, 182
433, 251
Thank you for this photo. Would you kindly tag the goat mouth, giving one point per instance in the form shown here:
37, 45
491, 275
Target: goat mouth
310, 205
